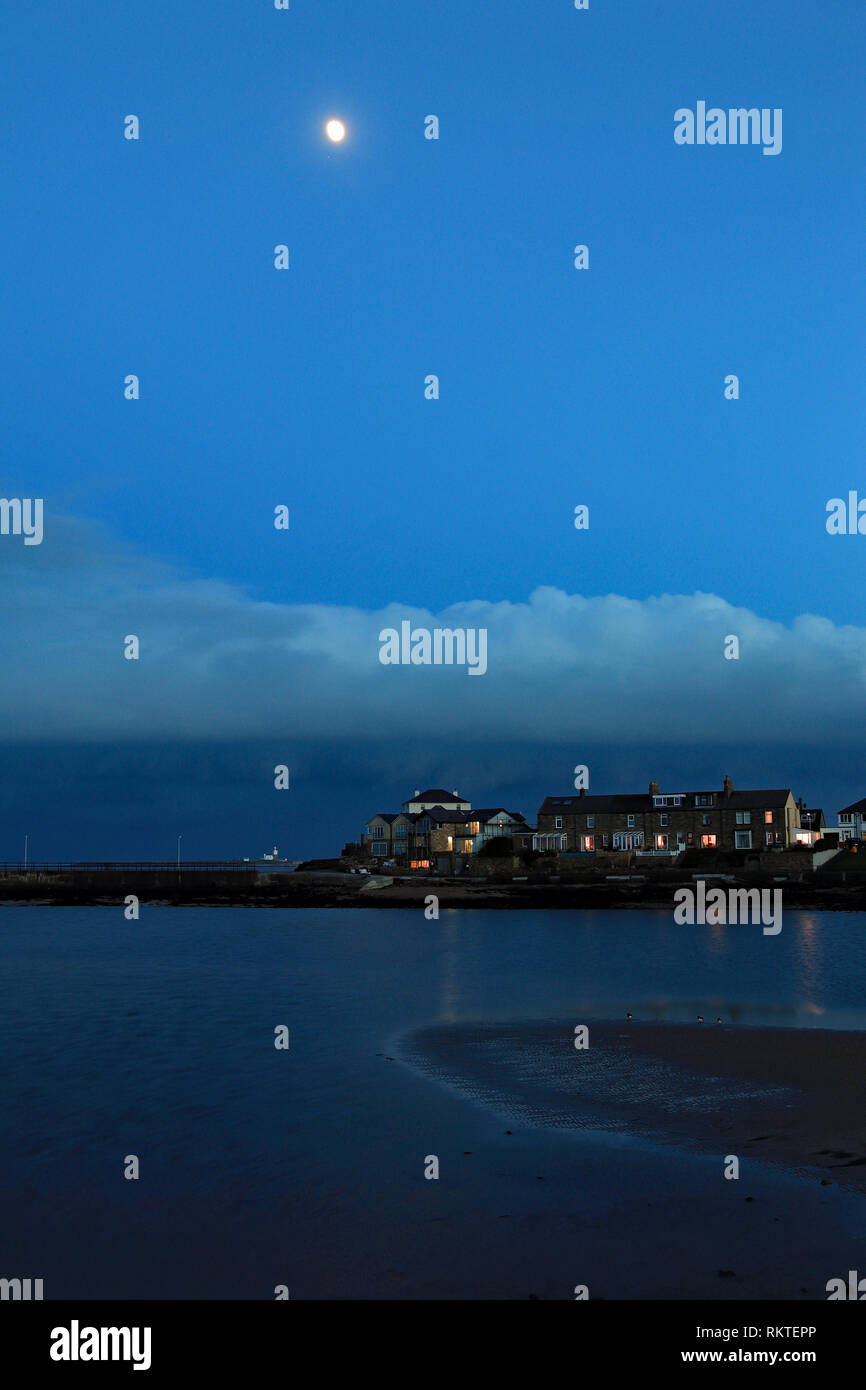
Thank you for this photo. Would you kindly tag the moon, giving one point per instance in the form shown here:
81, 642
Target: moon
335, 131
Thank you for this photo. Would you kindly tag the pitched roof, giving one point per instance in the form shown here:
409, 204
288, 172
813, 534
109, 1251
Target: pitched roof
437, 794
569, 805
855, 806
389, 816
487, 813
443, 817
591, 805
766, 798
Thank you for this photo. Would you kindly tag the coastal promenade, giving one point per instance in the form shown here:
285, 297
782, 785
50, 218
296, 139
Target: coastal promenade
239, 883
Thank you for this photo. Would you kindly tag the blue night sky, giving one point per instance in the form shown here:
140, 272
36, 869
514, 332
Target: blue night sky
306, 387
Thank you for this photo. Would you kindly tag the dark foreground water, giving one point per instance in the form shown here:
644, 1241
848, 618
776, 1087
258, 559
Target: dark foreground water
261, 1167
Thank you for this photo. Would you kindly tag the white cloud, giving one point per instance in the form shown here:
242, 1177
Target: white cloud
217, 664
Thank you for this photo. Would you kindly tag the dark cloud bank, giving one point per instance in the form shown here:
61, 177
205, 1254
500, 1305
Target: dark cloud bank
109, 757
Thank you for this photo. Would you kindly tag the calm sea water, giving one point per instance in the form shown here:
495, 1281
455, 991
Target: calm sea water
261, 1167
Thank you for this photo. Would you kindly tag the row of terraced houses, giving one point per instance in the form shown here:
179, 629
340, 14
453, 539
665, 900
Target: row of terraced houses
436, 826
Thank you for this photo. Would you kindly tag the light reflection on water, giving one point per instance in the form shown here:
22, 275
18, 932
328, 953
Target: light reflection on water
156, 1038
604, 964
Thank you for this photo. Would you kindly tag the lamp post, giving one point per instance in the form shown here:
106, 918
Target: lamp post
179, 838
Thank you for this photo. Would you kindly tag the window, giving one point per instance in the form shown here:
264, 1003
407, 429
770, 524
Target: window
744, 818
420, 864
558, 823
661, 841
590, 822
474, 827
548, 843
628, 839
706, 819
708, 842
774, 837
401, 832
844, 818
630, 822
743, 839
663, 820
379, 847
588, 844
467, 847
704, 799
768, 817
605, 842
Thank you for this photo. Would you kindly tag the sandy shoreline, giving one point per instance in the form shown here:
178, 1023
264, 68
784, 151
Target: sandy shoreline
796, 1097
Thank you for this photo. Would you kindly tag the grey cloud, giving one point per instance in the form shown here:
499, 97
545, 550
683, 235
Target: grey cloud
218, 664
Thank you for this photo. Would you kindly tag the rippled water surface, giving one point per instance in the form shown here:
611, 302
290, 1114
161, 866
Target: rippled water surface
305, 1167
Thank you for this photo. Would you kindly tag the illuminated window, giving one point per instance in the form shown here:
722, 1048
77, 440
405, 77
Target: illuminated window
708, 842
589, 844
420, 864
661, 841
768, 817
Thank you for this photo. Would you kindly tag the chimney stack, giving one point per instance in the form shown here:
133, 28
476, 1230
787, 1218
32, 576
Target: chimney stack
455, 792
582, 791
417, 791
654, 789
727, 786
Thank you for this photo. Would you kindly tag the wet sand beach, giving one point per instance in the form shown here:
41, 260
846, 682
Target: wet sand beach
791, 1096
557, 1167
